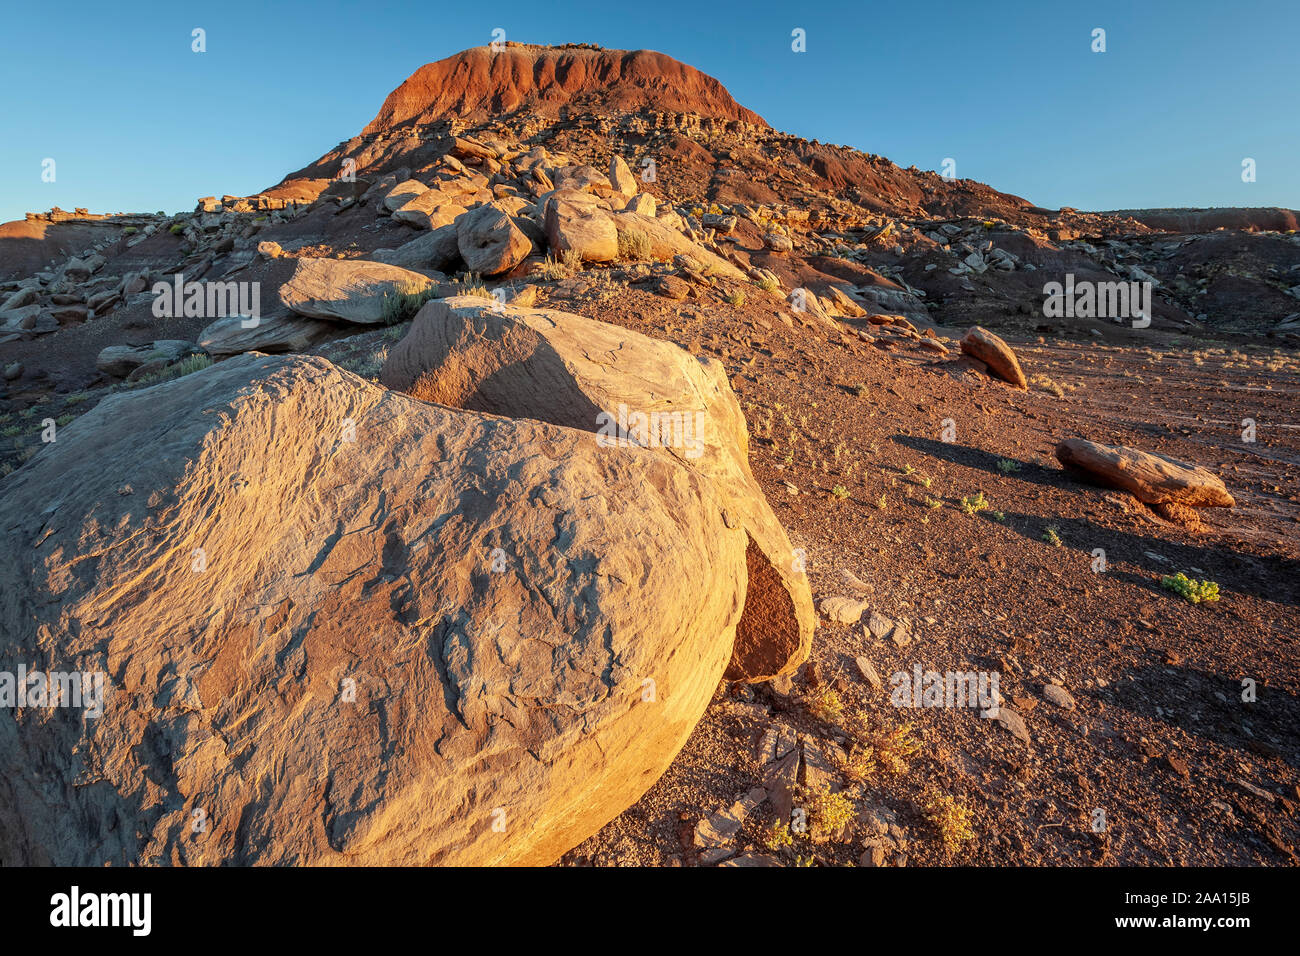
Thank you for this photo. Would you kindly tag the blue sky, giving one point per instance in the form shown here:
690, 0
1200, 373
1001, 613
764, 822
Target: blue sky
1012, 91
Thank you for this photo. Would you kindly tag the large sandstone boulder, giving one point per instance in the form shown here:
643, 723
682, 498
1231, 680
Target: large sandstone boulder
402, 193
981, 344
489, 241
339, 625
431, 209
1152, 479
353, 290
578, 221
632, 391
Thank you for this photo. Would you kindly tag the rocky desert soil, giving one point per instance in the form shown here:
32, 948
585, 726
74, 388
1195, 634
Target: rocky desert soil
922, 495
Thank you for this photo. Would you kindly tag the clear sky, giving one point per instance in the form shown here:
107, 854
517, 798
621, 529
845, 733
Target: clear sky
1012, 91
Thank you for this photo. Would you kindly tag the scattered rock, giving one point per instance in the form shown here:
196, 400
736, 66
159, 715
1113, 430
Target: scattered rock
671, 287
721, 828
1012, 721
879, 626
1059, 696
842, 608
868, 672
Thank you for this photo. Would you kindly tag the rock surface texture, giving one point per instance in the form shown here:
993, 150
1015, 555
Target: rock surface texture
632, 391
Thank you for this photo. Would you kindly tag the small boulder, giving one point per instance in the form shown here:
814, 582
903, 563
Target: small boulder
988, 348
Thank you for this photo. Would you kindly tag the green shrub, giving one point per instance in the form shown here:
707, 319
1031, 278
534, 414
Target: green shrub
1197, 592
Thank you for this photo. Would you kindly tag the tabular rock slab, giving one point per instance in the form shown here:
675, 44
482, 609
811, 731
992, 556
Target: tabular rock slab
272, 334
1152, 479
349, 289
346, 679
569, 370
431, 209
988, 348
122, 360
489, 242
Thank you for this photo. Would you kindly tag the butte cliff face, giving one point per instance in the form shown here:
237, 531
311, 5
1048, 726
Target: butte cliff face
479, 83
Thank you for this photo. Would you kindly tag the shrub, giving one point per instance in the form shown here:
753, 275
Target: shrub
951, 819
634, 246
1051, 536
859, 765
776, 835
1007, 466
839, 491
406, 300
736, 298
828, 813
129, 230
1196, 592
177, 228
768, 284
825, 705
974, 505
193, 363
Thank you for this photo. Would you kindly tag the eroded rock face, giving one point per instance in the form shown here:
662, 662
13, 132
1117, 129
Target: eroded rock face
1152, 479
631, 391
343, 626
